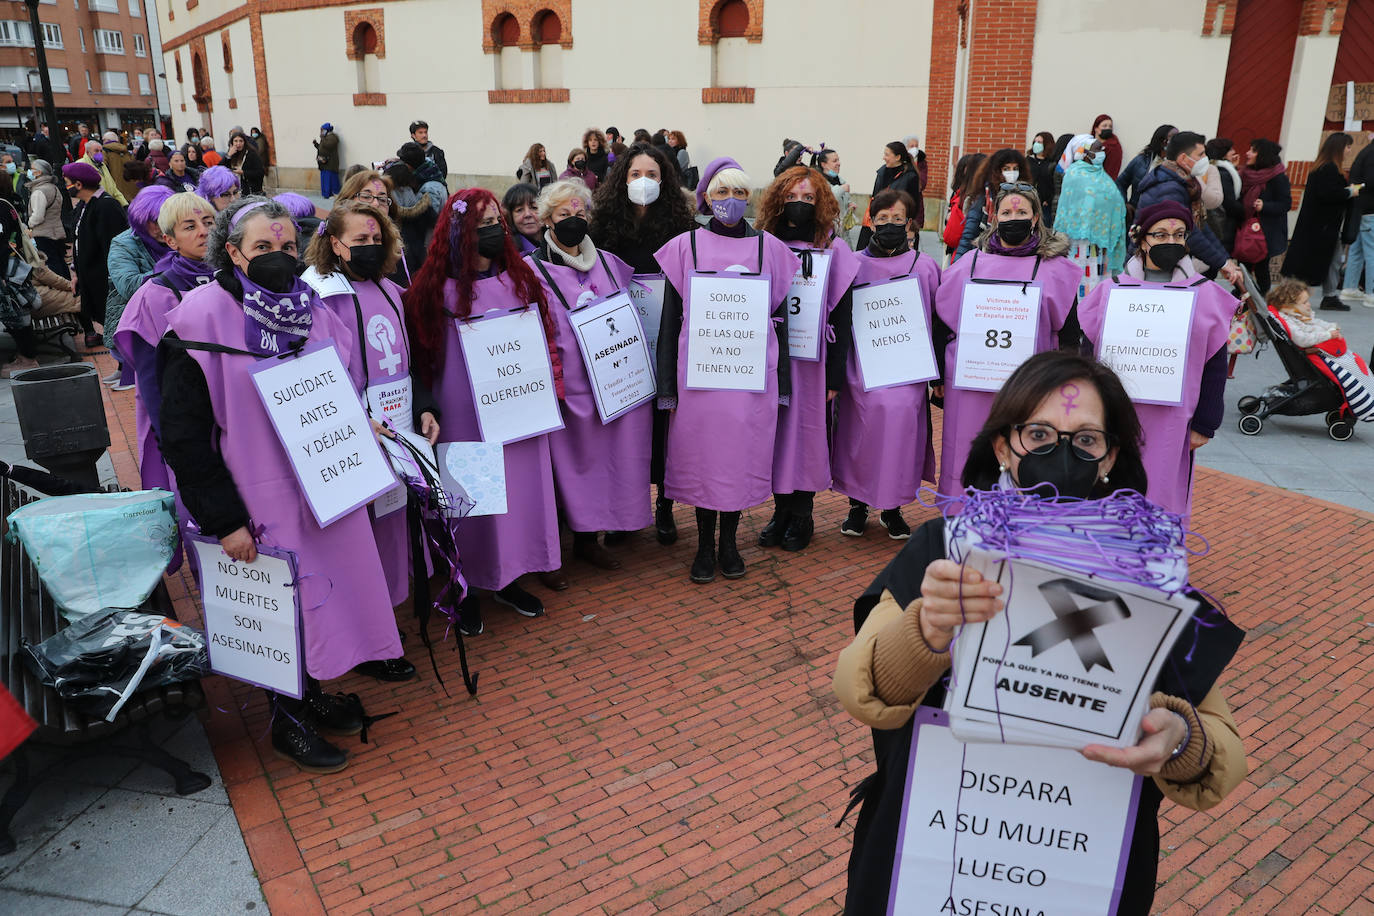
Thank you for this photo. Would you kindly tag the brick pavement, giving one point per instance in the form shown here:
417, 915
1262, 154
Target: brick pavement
654, 746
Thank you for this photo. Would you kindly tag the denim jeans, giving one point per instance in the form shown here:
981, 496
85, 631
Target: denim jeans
1361, 253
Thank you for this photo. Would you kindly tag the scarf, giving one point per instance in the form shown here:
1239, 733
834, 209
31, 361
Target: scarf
1025, 249
582, 262
275, 323
1135, 268
1252, 182
1091, 208
182, 272
154, 246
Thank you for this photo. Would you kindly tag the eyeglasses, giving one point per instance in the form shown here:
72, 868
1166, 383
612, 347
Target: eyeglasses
1161, 236
1043, 439
230, 195
368, 197
1017, 186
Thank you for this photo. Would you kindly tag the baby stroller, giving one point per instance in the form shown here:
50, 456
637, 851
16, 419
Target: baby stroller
1311, 387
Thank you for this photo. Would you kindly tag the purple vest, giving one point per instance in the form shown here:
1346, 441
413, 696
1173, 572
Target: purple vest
883, 446
143, 324
347, 612
966, 411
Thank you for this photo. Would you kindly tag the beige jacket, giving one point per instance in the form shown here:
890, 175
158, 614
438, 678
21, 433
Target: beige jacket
884, 673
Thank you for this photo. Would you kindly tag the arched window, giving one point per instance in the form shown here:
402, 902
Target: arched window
732, 19
365, 54
505, 31
200, 78
548, 27
548, 61
364, 39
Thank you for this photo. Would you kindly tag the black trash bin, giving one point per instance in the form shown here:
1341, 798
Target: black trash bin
62, 419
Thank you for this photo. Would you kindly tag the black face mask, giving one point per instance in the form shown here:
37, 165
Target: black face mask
799, 213
274, 271
570, 230
1106, 133
579, 165
491, 241
890, 236
1061, 468
1166, 257
1014, 231
366, 260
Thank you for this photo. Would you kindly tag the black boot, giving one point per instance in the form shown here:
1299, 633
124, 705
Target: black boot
664, 525
293, 739
772, 533
731, 564
800, 525
470, 615
335, 713
704, 566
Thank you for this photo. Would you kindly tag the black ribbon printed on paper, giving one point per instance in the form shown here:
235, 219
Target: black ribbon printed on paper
1076, 624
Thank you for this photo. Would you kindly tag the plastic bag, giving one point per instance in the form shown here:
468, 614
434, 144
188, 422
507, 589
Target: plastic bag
103, 661
96, 551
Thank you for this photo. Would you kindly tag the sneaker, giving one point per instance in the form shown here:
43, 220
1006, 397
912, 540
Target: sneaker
112, 378
470, 616
296, 741
1354, 295
119, 386
1334, 304
336, 713
525, 604
18, 364
390, 669
855, 523
896, 526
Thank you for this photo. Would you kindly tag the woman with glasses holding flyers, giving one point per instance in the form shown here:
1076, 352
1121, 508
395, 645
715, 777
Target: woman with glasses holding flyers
1009, 298
1083, 444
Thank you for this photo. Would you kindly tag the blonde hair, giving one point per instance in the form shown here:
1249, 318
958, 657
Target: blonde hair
321, 255
1286, 293
553, 196
179, 207
728, 178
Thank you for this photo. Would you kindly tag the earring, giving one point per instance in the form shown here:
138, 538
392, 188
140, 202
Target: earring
1003, 468
1104, 478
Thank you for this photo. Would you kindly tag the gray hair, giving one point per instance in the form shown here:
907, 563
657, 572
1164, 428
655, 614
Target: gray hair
207, 142
229, 232
40, 166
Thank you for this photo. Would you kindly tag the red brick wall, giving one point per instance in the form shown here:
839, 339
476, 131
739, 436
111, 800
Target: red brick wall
1226, 10
373, 17
707, 32
1314, 14
727, 95
1001, 43
944, 41
524, 12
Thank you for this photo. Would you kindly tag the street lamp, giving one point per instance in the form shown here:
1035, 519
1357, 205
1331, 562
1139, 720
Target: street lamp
18, 118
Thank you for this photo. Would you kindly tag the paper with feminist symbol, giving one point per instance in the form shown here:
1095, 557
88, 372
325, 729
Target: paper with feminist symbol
1071, 661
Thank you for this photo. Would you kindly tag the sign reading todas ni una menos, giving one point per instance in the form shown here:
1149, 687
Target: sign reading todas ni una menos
891, 335
321, 424
507, 357
252, 618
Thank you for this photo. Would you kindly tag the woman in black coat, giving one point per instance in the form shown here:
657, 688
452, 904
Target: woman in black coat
1266, 193
1316, 236
899, 173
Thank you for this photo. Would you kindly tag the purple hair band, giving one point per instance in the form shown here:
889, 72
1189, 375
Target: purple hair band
233, 223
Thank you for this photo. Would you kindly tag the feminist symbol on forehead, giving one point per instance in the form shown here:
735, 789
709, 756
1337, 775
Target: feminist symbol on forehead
371, 225
1069, 392
277, 230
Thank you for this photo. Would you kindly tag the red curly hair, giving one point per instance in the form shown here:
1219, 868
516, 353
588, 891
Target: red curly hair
775, 195
452, 258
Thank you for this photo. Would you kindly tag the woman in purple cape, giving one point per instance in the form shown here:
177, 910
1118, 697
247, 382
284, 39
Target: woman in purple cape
799, 209
234, 476
1017, 250
1173, 431
883, 446
720, 442
600, 470
350, 257
472, 267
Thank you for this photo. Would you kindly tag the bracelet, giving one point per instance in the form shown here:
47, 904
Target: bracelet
1187, 737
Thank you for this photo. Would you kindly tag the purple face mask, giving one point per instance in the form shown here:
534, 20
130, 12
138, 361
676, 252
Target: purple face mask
730, 210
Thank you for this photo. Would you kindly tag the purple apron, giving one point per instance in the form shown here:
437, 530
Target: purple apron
966, 411
345, 607
1168, 459
801, 455
703, 469
374, 310
883, 448
145, 321
600, 471
498, 549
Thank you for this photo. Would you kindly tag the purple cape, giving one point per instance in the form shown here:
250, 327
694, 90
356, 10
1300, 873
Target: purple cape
498, 549
390, 532
966, 411
801, 455
600, 471
1165, 452
883, 447
142, 325
702, 469
345, 608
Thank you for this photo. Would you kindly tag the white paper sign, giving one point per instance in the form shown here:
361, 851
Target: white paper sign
891, 337
728, 325
646, 291
252, 629
479, 469
1070, 662
390, 400
615, 354
404, 461
326, 434
1145, 339
998, 326
512, 379
991, 828
805, 308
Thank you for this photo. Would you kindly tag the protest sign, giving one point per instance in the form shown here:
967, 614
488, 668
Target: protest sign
646, 291
321, 424
615, 354
998, 327
728, 326
1145, 339
508, 365
806, 308
891, 336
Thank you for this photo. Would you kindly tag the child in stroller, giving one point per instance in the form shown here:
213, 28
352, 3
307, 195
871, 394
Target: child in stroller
1324, 376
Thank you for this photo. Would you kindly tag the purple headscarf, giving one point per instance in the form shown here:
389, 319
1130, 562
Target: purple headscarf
215, 181
143, 209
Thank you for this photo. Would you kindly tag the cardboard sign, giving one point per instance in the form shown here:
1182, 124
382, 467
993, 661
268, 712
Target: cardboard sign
646, 291
806, 308
508, 365
252, 617
321, 423
991, 828
998, 327
1336, 104
1070, 662
615, 353
477, 469
891, 337
1145, 339
728, 326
